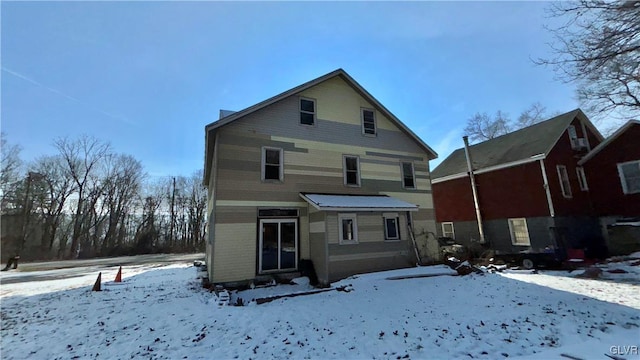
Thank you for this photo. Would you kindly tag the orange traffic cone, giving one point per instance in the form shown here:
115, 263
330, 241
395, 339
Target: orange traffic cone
98, 284
119, 275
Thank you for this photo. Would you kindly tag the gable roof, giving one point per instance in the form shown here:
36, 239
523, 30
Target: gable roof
521, 146
212, 127
608, 140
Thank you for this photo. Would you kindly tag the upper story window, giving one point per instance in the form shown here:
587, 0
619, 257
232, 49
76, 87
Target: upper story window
272, 160
573, 136
408, 176
368, 122
630, 176
351, 166
582, 179
565, 185
307, 111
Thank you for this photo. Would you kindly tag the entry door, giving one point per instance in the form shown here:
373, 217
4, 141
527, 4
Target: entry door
278, 245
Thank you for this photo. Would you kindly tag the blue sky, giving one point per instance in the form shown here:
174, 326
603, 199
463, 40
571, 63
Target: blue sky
148, 76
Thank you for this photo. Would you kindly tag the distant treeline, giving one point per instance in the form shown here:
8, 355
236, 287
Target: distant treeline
87, 200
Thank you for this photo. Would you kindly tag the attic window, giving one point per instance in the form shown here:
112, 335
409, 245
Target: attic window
368, 122
307, 111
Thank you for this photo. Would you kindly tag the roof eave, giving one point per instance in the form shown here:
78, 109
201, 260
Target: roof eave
607, 141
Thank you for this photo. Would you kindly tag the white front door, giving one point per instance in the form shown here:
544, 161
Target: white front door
278, 245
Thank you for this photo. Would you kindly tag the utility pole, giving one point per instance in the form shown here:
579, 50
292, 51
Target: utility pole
474, 190
173, 198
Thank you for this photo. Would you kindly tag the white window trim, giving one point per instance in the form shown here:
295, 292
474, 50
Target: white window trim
315, 110
453, 231
395, 216
565, 192
263, 163
512, 234
413, 174
344, 170
582, 179
375, 122
623, 180
354, 218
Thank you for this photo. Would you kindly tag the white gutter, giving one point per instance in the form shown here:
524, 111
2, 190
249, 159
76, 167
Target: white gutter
490, 168
473, 188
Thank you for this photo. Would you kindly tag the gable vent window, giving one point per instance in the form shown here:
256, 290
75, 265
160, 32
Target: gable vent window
307, 111
351, 170
408, 176
630, 176
272, 164
368, 122
565, 185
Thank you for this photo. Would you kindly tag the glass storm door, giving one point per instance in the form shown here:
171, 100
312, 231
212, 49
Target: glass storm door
278, 244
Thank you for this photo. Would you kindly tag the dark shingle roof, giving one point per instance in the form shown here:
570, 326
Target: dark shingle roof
518, 145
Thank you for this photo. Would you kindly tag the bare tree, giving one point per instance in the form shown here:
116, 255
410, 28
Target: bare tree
11, 164
123, 177
481, 126
532, 115
598, 47
197, 205
81, 157
58, 187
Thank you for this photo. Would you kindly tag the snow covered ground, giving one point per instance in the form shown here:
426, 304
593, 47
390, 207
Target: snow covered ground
161, 312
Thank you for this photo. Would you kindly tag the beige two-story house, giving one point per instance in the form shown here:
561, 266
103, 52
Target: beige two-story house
321, 172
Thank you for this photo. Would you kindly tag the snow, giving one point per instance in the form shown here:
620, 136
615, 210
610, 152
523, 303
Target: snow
357, 202
162, 312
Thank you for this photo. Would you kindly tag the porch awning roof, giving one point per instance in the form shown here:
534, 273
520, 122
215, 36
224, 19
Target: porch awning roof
330, 202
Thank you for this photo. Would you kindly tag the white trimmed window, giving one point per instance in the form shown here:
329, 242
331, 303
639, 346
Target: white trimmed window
573, 136
519, 232
408, 175
307, 111
351, 166
582, 179
368, 122
348, 228
629, 173
272, 160
447, 230
565, 185
391, 226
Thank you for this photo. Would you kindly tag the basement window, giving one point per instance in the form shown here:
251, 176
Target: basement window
519, 232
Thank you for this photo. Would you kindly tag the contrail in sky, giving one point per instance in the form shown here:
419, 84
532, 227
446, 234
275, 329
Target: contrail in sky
34, 82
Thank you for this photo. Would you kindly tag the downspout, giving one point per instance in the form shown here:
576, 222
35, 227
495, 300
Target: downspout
546, 188
473, 189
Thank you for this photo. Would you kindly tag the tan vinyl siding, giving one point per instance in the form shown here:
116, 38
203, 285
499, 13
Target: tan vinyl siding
313, 163
235, 251
345, 104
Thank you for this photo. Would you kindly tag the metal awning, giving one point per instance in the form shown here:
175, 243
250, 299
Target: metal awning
330, 202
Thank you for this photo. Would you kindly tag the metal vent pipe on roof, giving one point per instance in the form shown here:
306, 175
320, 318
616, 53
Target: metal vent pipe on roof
473, 188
